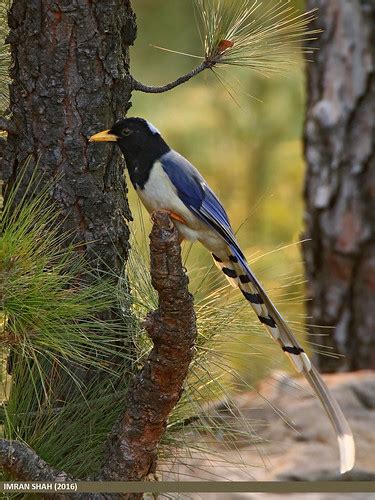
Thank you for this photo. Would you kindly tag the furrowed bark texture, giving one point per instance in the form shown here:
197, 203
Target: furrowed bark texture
340, 183
70, 78
132, 447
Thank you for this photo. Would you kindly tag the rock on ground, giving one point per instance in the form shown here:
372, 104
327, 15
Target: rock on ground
295, 440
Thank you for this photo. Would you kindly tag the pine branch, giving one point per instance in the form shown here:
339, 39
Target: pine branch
136, 85
132, 446
152, 394
266, 38
23, 463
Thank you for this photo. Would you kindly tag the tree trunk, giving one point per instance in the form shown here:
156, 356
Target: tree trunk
70, 78
340, 184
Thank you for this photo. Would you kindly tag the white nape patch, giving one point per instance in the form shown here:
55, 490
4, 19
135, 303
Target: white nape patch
153, 129
347, 452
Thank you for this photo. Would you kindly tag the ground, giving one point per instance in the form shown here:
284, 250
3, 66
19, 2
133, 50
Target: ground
298, 440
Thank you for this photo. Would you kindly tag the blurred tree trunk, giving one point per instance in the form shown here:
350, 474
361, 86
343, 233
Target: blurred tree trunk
70, 77
340, 184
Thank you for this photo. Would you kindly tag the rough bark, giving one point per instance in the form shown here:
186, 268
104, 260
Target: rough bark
132, 447
70, 78
25, 465
3, 144
340, 184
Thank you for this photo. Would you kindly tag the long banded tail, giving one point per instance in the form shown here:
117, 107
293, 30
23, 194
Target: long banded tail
239, 274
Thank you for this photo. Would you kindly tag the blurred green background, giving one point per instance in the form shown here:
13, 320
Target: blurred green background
243, 132
244, 137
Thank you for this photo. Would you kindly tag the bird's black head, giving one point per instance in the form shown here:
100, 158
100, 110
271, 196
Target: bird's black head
138, 140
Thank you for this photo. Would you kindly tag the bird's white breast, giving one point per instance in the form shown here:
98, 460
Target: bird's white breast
160, 194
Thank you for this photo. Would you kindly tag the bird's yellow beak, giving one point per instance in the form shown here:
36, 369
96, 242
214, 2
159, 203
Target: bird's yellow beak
103, 136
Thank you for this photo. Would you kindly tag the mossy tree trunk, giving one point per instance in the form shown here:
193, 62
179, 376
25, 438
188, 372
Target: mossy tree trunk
340, 184
70, 78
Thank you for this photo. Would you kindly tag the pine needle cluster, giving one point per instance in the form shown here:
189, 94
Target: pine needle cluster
65, 365
265, 36
50, 299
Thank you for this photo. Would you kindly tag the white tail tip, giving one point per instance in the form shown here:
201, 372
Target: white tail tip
347, 452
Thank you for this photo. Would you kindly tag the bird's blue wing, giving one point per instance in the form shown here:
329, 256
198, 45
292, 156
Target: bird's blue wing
195, 193
185, 178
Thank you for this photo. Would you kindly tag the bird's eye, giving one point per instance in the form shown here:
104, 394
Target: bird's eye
126, 131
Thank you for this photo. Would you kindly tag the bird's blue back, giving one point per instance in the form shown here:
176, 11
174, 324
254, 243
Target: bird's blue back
196, 194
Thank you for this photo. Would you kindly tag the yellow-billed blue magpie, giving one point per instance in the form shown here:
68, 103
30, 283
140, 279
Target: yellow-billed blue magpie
165, 180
